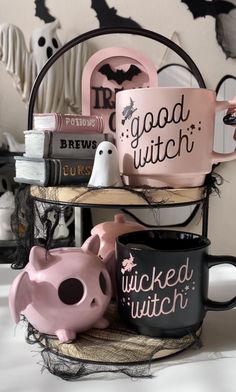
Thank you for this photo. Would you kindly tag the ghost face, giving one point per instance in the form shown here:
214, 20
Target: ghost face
106, 152
49, 48
44, 43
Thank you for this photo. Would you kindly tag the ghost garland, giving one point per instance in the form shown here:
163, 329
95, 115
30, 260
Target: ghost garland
60, 90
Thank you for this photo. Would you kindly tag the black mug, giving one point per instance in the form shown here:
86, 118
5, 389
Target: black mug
162, 281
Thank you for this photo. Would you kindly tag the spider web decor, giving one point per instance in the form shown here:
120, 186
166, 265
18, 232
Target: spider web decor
115, 349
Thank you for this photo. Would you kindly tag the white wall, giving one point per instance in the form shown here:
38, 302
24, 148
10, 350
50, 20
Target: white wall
197, 37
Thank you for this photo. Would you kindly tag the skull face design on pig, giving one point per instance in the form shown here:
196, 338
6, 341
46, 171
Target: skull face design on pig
63, 292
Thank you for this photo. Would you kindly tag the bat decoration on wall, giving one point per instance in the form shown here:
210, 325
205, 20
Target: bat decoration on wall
43, 12
108, 17
205, 7
119, 75
224, 13
226, 31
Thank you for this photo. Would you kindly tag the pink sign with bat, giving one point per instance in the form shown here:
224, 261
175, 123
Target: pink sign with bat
111, 70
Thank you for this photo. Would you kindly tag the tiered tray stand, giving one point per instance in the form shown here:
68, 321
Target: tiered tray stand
124, 198
116, 348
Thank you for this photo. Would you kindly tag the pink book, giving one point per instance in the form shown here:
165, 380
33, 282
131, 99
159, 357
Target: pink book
60, 122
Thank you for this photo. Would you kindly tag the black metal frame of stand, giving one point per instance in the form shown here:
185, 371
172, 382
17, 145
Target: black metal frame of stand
107, 31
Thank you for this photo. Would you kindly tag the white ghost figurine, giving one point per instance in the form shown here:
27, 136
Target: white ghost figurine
105, 171
7, 206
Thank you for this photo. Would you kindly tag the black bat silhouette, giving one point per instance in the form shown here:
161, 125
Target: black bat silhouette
42, 11
205, 7
119, 76
107, 16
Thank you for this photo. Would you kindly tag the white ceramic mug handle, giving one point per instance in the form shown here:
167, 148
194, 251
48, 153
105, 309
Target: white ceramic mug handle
217, 157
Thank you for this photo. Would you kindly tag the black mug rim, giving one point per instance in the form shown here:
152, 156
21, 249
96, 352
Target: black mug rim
203, 240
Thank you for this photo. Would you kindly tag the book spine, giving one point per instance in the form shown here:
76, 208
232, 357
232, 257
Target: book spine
69, 171
73, 145
78, 123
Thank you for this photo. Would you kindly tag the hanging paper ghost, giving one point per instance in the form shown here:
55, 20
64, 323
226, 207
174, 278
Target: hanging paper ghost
105, 168
60, 89
64, 291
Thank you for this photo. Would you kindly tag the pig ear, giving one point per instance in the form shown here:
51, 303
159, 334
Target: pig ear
92, 244
20, 295
38, 257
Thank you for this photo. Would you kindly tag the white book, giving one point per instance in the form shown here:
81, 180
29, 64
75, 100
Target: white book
49, 144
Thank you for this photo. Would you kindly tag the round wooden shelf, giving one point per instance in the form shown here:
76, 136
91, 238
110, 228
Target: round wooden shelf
118, 197
112, 349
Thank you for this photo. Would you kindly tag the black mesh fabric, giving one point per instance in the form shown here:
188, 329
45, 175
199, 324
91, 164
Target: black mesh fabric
115, 349
34, 223
28, 219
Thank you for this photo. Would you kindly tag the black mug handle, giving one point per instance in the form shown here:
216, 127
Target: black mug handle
216, 305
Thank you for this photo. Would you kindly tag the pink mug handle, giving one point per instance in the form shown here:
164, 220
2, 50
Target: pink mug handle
217, 157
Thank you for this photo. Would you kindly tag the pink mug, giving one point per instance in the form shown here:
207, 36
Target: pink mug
165, 135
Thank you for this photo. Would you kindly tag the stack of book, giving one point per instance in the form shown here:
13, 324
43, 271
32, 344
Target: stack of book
60, 149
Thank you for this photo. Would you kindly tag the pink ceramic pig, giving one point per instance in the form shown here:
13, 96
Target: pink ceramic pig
108, 232
64, 291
